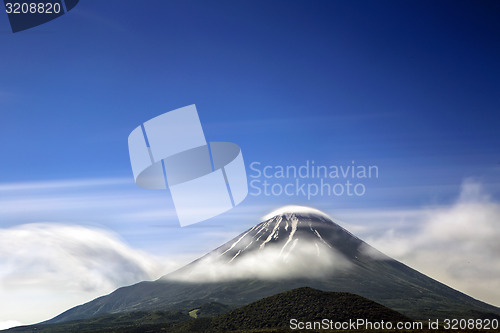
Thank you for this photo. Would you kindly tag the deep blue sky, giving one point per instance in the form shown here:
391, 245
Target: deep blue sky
412, 87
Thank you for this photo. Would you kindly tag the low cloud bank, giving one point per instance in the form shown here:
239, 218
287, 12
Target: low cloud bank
270, 263
63, 257
457, 245
55, 266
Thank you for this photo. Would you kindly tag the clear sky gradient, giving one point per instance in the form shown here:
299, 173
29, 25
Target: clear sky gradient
409, 86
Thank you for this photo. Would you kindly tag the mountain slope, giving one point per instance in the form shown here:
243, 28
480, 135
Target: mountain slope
293, 248
303, 304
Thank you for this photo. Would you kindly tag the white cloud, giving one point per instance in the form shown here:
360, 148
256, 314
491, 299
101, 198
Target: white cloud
8, 324
457, 245
116, 203
294, 209
270, 263
46, 268
64, 183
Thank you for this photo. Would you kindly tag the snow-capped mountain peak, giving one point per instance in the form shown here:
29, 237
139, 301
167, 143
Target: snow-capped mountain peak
294, 241
295, 210
289, 231
292, 248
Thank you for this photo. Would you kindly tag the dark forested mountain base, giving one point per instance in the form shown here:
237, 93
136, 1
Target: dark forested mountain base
271, 315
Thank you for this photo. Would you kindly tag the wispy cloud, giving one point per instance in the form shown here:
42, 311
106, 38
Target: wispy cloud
65, 183
83, 200
64, 265
458, 244
146, 219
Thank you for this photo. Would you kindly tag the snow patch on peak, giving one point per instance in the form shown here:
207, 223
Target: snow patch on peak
292, 232
292, 210
273, 234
